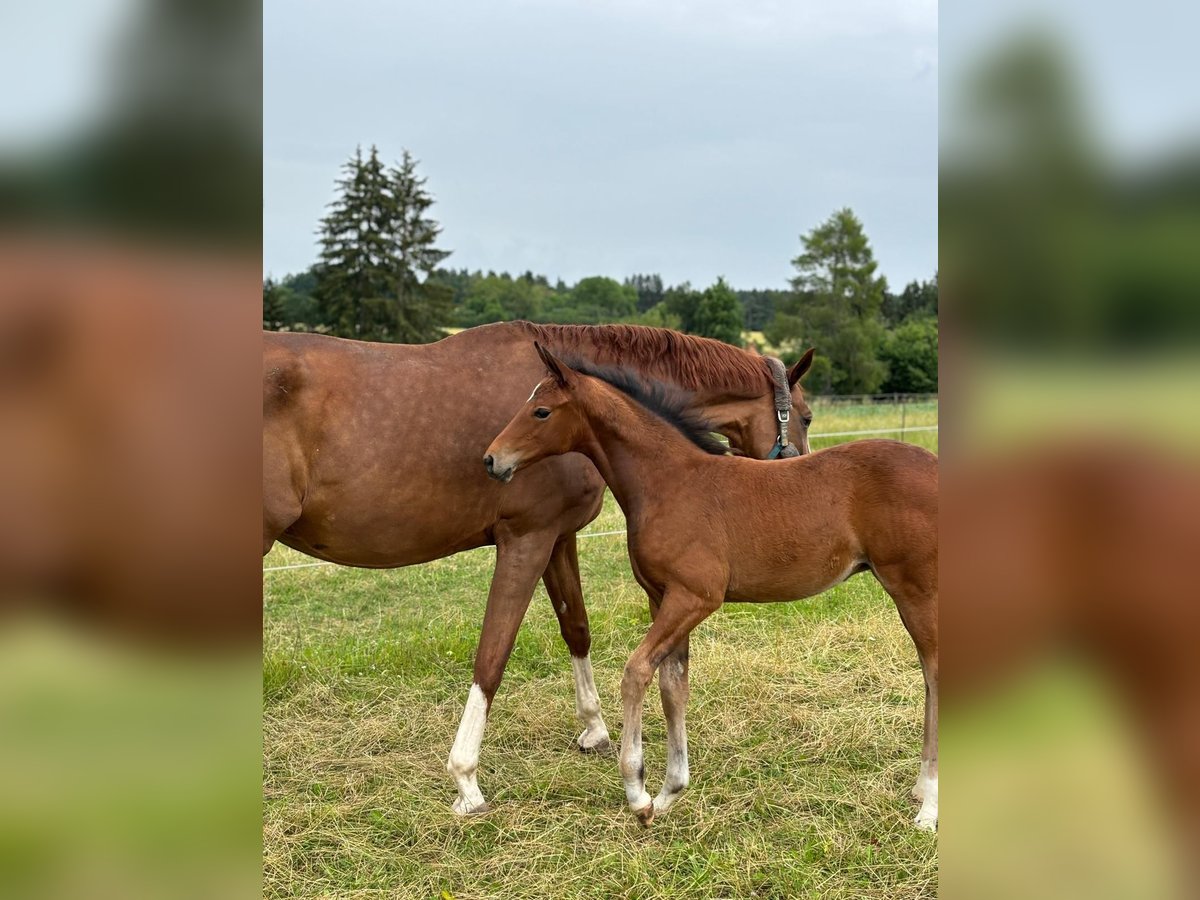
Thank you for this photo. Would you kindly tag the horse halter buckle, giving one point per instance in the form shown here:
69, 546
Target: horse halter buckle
783, 410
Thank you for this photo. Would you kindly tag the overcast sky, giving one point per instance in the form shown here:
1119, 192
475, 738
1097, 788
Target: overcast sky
693, 138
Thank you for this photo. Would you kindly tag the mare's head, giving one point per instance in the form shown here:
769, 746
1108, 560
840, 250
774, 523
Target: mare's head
753, 425
549, 423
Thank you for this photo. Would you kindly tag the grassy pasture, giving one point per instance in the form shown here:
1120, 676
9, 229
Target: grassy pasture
804, 728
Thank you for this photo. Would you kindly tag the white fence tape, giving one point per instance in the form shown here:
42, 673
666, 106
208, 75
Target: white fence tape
596, 534
904, 430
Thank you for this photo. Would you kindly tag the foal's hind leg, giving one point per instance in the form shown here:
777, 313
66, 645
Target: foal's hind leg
566, 596
918, 610
673, 686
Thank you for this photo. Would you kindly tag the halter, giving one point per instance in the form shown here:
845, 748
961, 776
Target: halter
783, 410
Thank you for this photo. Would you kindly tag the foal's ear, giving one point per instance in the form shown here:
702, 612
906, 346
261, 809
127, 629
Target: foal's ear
556, 368
798, 370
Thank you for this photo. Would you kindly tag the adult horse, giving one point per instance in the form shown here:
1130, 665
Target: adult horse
705, 528
371, 458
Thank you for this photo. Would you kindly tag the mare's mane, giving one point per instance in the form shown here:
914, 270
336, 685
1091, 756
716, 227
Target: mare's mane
683, 359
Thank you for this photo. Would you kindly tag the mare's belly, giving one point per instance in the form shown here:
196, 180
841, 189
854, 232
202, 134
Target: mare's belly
392, 524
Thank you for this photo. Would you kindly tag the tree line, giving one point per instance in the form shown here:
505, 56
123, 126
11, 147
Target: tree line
380, 276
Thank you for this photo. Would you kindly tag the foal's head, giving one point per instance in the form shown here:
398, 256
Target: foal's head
548, 424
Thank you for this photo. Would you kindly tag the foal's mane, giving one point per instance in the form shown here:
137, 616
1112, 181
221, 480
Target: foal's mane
669, 403
683, 359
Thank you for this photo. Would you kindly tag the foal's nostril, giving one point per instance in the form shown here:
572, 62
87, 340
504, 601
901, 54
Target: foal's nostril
488, 462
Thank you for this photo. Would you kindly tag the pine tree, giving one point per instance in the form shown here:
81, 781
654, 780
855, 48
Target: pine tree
919, 299
836, 307
273, 295
356, 271
378, 253
682, 303
719, 314
422, 306
649, 290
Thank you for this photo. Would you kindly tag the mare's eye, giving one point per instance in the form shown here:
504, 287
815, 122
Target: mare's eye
807, 420
541, 413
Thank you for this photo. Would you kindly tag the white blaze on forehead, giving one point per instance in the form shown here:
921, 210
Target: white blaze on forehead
533, 393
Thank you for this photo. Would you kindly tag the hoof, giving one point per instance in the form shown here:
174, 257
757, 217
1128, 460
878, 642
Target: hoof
461, 809
926, 821
663, 802
645, 815
602, 747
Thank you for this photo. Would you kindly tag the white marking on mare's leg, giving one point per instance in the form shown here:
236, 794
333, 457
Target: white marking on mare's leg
918, 791
926, 790
464, 755
587, 707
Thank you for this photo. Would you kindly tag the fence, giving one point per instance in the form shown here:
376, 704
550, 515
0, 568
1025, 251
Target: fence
863, 415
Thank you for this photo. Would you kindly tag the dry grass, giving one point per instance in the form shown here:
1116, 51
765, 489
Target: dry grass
804, 726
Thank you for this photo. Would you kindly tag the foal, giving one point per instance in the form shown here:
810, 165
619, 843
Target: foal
704, 527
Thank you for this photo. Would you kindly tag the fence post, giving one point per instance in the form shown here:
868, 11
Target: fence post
903, 415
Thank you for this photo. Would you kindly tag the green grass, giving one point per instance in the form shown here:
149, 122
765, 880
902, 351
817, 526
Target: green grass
804, 728
832, 415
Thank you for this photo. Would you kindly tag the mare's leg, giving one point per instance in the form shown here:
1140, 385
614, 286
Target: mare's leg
566, 596
916, 601
520, 561
673, 686
679, 613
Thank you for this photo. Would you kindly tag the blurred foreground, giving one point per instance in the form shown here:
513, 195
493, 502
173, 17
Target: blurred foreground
1071, 474
129, 461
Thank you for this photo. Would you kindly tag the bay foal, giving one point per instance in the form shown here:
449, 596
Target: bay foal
704, 527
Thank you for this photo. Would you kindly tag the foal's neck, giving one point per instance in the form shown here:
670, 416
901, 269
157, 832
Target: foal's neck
632, 447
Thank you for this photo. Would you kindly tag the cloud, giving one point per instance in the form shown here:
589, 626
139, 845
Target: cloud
765, 20
925, 62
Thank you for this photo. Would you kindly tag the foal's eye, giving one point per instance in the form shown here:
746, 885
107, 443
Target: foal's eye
807, 420
541, 413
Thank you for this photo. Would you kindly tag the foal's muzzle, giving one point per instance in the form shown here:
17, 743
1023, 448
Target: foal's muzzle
500, 474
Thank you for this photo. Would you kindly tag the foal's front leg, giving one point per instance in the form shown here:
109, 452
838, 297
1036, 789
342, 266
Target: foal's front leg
680, 612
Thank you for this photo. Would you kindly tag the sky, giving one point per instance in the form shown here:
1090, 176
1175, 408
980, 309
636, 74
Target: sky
693, 138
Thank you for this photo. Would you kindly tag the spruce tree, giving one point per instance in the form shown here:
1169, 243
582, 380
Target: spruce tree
378, 253
422, 306
836, 307
719, 314
355, 272
273, 314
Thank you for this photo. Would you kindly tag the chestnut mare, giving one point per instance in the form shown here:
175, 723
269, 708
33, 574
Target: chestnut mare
705, 527
371, 458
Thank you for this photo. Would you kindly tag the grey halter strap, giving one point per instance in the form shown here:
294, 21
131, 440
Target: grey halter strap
783, 409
